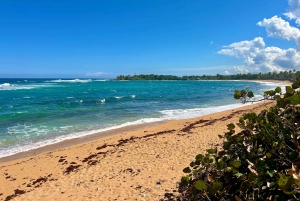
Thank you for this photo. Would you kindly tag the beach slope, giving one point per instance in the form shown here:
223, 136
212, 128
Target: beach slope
143, 164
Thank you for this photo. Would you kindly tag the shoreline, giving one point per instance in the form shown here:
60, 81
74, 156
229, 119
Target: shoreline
110, 132
142, 164
78, 140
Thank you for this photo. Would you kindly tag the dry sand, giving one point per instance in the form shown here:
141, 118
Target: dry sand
134, 165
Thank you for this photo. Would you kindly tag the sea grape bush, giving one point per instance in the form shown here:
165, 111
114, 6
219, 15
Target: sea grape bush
244, 95
261, 162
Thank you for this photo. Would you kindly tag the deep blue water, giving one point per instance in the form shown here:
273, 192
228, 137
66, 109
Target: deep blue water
37, 112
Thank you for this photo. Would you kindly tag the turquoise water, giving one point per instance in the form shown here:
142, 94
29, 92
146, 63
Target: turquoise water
38, 112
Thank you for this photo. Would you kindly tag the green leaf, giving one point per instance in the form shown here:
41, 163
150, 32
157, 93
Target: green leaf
230, 126
238, 174
272, 93
289, 90
221, 164
200, 185
226, 145
261, 166
198, 162
295, 85
293, 155
211, 151
271, 174
241, 120
295, 99
187, 170
199, 157
243, 92
251, 176
278, 89
285, 182
237, 94
185, 179
215, 187
250, 94
235, 164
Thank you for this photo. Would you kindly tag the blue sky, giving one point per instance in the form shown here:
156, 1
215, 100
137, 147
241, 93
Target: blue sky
109, 38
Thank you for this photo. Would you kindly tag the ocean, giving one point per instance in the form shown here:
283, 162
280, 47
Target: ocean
39, 112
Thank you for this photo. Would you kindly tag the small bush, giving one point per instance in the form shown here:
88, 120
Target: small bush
261, 162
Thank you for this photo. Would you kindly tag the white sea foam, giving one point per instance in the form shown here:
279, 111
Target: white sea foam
5, 85
166, 115
22, 112
273, 85
65, 127
8, 86
102, 100
132, 96
118, 97
196, 112
104, 80
72, 81
37, 144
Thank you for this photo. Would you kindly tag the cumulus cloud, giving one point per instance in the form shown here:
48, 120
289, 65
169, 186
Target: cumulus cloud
294, 11
258, 56
226, 72
97, 74
240, 69
244, 49
278, 28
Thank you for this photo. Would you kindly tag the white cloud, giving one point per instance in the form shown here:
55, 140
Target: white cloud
97, 74
278, 28
260, 58
226, 72
244, 49
294, 11
240, 69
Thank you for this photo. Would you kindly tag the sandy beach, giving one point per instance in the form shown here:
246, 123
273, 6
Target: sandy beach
135, 163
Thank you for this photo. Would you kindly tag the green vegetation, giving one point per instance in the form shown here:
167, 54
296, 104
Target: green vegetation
261, 162
283, 75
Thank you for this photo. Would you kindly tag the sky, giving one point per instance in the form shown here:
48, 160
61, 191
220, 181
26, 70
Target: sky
107, 38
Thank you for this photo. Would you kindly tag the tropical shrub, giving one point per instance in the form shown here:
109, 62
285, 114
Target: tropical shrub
261, 162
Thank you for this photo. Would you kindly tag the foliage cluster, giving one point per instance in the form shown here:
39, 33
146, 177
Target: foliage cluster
261, 162
283, 75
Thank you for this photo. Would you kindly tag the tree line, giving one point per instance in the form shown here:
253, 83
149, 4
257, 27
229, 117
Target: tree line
282, 75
